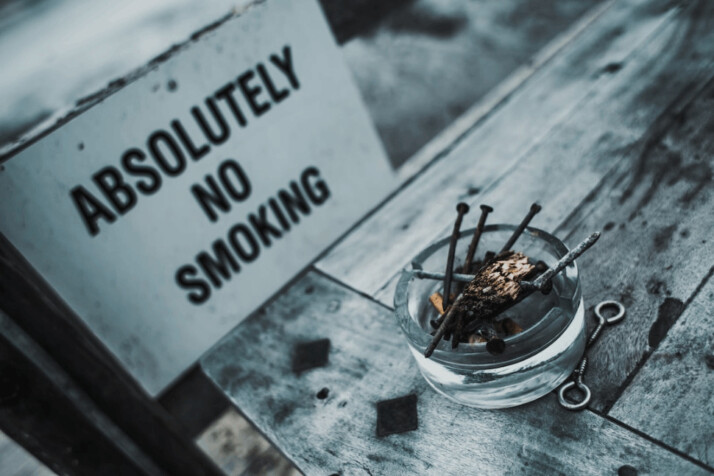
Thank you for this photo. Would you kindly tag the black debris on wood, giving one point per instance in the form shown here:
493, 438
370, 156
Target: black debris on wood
398, 415
309, 355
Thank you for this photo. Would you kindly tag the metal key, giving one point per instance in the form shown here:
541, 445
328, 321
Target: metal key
578, 374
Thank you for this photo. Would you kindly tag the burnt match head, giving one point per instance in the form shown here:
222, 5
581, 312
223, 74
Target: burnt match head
462, 208
541, 266
495, 346
486, 209
535, 208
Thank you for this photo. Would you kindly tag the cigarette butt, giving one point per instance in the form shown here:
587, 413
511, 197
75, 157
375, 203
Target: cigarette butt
511, 327
438, 302
476, 339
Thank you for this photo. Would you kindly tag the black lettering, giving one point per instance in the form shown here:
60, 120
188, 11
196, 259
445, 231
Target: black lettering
238, 248
196, 153
167, 167
276, 95
285, 64
296, 200
111, 183
262, 227
215, 138
207, 199
279, 213
128, 162
220, 264
250, 93
318, 191
90, 209
241, 180
202, 291
226, 92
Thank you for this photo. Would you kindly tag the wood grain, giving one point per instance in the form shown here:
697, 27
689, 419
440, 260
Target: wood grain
567, 165
605, 155
237, 447
632, 158
369, 362
497, 96
370, 255
656, 209
677, 383
425, 63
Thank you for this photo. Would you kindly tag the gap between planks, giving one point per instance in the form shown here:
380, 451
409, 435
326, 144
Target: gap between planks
595, 412
529, 96
647, 355
651, 439
450, 137
236, 407
701, 69
441, 145
237, 381
571, 223
363, 294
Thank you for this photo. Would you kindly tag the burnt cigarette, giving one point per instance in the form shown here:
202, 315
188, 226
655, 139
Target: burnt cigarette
476, 339
437, 301
511, 327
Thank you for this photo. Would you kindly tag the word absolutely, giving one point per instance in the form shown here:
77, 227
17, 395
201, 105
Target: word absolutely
244, 240
168, 150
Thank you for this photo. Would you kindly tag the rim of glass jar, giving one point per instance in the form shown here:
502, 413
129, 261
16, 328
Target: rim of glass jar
419, 337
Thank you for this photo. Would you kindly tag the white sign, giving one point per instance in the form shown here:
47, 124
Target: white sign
174, 208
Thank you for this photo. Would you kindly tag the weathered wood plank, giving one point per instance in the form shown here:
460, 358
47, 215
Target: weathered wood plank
606, 154
181, 398
37, 309
656, 210
593, 152
654, 204
235, 445
370, 255
42, 410
677, 383
16, 461
428, 61
568, 164
370, 362
496, 96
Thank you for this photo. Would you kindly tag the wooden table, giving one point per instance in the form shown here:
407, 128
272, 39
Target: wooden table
615, 133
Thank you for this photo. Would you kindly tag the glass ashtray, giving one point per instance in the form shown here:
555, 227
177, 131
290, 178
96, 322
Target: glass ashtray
534, 362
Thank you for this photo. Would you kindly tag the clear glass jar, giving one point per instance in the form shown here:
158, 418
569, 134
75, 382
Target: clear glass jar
533, 363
